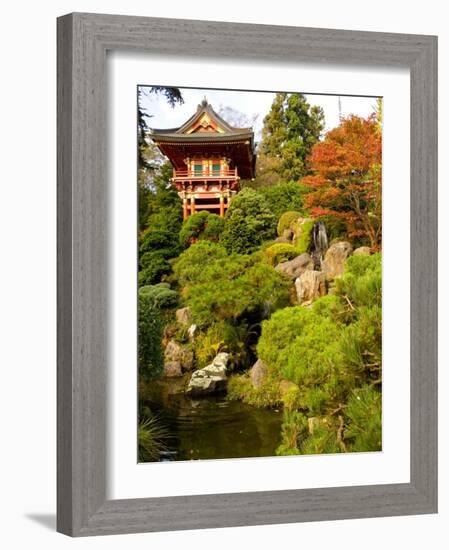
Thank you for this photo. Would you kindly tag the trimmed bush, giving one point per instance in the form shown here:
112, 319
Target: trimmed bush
202, 225
161, 295
248, 222
284, 196
279, 252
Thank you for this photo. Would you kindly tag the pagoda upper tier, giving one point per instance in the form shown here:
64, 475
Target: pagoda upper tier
209, 157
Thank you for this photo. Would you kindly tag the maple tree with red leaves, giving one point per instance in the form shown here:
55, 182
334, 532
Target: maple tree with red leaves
346, 181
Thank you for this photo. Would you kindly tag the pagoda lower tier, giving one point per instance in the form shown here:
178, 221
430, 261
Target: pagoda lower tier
206, 191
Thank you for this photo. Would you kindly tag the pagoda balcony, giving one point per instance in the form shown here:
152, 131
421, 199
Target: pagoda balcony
205, 173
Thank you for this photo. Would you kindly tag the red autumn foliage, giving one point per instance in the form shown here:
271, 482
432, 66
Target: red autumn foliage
346, 185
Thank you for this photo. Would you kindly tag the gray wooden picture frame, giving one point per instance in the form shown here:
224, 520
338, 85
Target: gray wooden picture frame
83, 40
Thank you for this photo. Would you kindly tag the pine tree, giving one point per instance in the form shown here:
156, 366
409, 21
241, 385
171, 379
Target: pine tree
291, 128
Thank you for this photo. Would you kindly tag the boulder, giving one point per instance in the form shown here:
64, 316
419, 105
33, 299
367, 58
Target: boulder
296, 267
191, 332
362, 251
300, 227
335, 258
184, 316
210, 380
257, 373
172, 369
310, 286
177, 354
287, 234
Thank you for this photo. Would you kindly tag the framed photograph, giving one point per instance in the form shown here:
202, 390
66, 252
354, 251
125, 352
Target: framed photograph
247, 274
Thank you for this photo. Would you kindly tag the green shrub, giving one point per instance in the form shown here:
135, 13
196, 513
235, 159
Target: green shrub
158, 244
286, 220
202, 225
230, 288
364, 420
189, 267
248, 222
152, 439
266, 395
284, 196
150, 336
161, 295
279, 252
223, 336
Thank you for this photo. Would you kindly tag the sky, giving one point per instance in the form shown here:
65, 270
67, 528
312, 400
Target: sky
252, 104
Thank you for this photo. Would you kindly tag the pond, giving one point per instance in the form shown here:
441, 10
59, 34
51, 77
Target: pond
212, 427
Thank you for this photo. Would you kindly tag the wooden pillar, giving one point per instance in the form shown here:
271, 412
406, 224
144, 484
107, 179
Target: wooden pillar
192, 205
184, 208
221, 205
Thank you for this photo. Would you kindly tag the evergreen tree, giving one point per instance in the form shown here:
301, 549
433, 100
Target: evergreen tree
290, 130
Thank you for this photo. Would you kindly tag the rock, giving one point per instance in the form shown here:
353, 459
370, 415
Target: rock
191, 332
310, 286
184, 316
362, 251
257, 373
175, 353
282, 240
221, 360
296, 267
210, 380
335, 258
287, 234
300, 227
285, 386
172, 369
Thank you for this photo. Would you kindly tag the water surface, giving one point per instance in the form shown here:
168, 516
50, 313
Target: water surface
212, 427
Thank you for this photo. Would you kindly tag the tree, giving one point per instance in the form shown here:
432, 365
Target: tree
150, 336
248, 222
291, 128
346, 182
201, 225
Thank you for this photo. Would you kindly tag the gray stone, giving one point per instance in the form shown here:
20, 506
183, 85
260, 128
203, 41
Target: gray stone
335, 258
362, 251
258, 373
211, 379
184, 316
191, 332
172, 369
296, 267
310, 286
175, 353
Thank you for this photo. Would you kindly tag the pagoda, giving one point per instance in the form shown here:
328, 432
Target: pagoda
209, 157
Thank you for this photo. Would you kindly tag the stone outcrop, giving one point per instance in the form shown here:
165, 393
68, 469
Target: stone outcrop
258, 373
310, 286
184, 316
296, 267
362, 251
211, 379
191, 332
177, 359
335, 258
299, 227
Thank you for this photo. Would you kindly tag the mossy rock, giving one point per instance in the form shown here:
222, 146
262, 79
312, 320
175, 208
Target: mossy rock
286, 220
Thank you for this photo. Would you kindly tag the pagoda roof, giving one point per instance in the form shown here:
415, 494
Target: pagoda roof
205, 131
204, 125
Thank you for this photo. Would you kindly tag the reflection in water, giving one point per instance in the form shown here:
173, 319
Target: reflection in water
211, 428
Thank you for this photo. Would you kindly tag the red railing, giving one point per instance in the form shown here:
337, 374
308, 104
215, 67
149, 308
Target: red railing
206, 173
